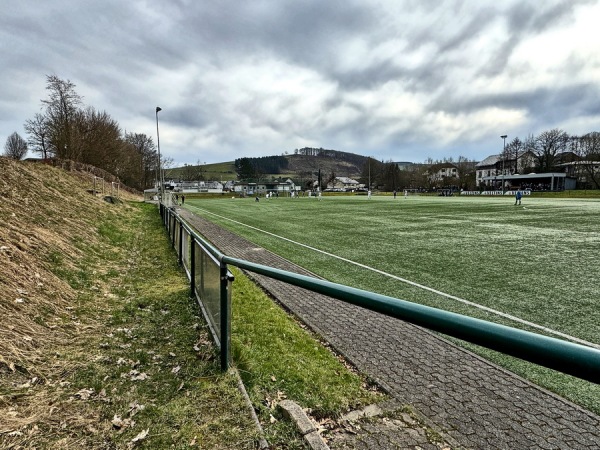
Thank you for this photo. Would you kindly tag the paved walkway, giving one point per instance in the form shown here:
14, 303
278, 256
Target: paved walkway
463, 400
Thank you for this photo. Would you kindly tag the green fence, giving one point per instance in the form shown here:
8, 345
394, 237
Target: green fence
203, 261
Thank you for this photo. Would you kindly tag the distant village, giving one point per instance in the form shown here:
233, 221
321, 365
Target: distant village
496, 173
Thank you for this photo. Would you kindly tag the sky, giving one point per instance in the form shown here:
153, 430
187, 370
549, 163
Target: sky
399, 80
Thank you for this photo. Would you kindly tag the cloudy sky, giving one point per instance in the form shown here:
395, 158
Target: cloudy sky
394, 79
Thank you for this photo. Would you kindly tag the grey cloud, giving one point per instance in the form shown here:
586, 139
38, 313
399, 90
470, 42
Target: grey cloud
525, 20
471, 30
542, 104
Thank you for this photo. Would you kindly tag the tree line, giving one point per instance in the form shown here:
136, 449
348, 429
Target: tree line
334, 154
388, 176
546, 152
257, 168
67, 129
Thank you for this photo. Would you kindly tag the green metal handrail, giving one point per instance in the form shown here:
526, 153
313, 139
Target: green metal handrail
567, 357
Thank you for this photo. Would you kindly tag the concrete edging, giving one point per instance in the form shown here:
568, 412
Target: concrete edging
305, 426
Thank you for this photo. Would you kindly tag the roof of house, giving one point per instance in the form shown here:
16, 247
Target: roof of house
346, 180
489, 161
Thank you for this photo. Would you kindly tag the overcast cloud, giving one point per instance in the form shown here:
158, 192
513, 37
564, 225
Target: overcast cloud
393, 79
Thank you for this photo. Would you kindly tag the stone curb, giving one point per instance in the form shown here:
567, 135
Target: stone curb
305, 426
262, 442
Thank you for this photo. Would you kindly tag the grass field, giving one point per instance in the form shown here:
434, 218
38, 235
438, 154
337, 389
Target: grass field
537, 262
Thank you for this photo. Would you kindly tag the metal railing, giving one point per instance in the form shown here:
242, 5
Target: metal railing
210, 281
567, 357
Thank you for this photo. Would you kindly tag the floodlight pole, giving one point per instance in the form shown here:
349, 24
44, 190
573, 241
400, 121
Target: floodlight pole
160, 172
504, 136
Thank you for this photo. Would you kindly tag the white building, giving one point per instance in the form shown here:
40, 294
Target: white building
343, 184
492, 168
264, 187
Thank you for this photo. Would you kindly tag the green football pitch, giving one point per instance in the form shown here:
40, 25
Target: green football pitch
534, 266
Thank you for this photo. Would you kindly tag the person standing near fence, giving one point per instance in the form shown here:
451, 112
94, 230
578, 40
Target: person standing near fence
182, 199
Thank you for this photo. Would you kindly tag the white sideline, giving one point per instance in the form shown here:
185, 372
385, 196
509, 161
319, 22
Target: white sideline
412, 283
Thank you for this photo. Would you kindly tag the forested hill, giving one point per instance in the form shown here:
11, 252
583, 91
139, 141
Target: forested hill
302, 162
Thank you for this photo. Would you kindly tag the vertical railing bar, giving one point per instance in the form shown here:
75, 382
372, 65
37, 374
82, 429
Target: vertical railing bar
173, 230
180, 243
192, 266
225, 318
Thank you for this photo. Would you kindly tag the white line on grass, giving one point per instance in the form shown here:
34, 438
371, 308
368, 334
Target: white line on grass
412, 283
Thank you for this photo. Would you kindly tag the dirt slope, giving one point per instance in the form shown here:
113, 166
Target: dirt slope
44, 213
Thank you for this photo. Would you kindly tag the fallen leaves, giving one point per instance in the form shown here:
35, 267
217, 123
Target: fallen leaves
272, 403
141, 436
134, 408
120, 424
135, 375
85, 394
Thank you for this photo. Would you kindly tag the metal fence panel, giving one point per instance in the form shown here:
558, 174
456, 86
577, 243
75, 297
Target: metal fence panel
177, 239
185, 249
207, 289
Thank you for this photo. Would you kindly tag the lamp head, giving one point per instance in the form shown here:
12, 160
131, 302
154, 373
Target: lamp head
158, 108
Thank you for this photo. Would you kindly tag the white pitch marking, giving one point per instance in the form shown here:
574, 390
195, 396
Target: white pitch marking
412, 283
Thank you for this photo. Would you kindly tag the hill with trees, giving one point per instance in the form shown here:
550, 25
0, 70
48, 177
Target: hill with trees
304, 163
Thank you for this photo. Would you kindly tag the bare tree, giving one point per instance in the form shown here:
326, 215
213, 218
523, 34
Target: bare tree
331, 179
466, 172
61, 108
167, 164
15, 147
548, 145
96, 139
146, 157
39, 137
588, 149
513, 150
373, 172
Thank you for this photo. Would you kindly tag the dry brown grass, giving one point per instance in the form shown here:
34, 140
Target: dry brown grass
44, 212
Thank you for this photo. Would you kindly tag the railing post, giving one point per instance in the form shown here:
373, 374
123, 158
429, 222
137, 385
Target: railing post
192, 266
180, 242
173, 231
225, 318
